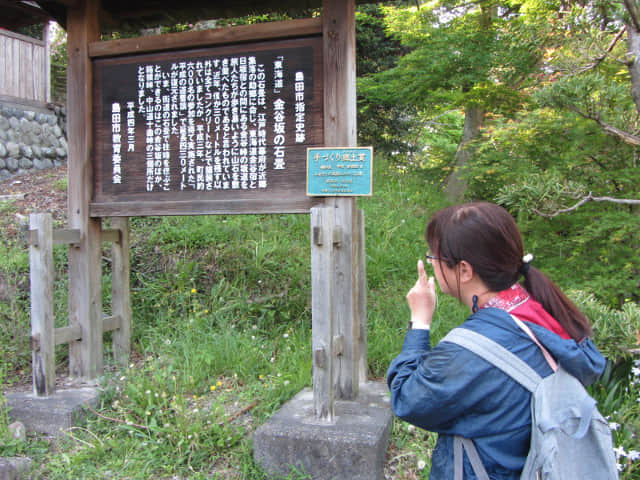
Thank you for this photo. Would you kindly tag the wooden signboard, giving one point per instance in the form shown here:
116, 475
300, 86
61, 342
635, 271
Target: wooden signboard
207, 130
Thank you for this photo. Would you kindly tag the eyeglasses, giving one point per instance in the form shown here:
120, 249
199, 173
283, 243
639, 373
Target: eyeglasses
430, 257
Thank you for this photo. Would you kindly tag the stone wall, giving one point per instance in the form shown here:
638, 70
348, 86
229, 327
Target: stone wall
31, 138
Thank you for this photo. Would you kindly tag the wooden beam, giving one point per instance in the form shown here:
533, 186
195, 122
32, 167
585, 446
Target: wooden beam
111, 323
121, 292
85, 258
201, 38
41, 276
64, 335
202, 207
111, 235
361, 303
322, 297
338, 18
64, 236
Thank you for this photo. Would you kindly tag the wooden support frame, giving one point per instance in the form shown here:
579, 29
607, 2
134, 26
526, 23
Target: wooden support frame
323, 239
42, 317
85, 286
340, 343
44, 337
338, 21
120, 290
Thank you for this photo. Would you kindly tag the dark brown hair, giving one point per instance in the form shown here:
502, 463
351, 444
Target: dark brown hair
487, 237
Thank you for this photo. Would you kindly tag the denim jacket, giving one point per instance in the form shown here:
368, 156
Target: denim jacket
451, 391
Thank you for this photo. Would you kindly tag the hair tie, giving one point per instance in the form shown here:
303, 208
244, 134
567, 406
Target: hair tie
526, 263
474, 307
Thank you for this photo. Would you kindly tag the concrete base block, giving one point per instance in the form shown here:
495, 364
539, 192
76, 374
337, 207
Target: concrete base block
14, 468
53, 414
352, 447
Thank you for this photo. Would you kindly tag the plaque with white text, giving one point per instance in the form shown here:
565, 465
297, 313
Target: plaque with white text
207, 130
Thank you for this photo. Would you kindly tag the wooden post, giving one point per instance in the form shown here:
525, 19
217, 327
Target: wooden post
322, 288
361, 284
85, 286
120, 293
340, 131
42, 315
46, 37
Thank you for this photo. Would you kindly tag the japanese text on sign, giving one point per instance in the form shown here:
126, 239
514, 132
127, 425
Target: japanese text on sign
339, 171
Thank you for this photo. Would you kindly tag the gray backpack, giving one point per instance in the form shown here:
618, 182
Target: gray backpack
569, 436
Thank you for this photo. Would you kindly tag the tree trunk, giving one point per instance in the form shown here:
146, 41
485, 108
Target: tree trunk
473, 121
633, 48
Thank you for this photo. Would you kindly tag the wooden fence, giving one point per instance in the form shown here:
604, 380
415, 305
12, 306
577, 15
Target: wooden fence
44, 336
24, 67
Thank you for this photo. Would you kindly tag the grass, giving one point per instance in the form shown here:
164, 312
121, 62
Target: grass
222, 338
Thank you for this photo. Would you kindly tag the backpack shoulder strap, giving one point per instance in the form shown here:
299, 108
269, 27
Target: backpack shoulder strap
495, 354
550, 360
461, 444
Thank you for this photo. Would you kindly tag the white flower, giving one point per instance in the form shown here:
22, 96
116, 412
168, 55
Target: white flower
620, 451
421, 464
634, 455
167, 342
286, 335
614, 426
527, 258
410, 428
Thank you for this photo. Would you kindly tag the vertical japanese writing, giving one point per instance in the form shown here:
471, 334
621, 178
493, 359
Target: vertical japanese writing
116, 143
131, 127
206, 124
279, 126
300, 108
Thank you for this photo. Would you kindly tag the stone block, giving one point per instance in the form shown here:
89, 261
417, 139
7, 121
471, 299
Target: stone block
14, 468
12, 164
352, 447
53, 414
13, 149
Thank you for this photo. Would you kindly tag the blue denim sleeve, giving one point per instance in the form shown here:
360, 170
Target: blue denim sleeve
581, 359
431, 388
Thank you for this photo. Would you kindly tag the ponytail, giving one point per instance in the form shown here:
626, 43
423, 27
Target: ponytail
554, 301
486, 236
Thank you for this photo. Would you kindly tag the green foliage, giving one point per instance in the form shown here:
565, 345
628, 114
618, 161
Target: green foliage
385, 124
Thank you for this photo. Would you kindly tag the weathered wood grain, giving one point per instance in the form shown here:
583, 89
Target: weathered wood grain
42, 315
85, 258
322, 298
120, 291
340, 131
203, 38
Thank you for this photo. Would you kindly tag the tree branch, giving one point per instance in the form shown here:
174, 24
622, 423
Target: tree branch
586, 199
598, 60
632, 9
610, 129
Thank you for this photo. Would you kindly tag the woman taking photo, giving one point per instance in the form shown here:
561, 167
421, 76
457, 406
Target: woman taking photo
477, 254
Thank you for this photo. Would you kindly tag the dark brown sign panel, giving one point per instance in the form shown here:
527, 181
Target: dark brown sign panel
207, 130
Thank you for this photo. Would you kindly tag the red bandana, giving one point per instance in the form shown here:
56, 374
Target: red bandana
516, 300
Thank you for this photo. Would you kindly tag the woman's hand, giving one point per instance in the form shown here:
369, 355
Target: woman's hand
422, 299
